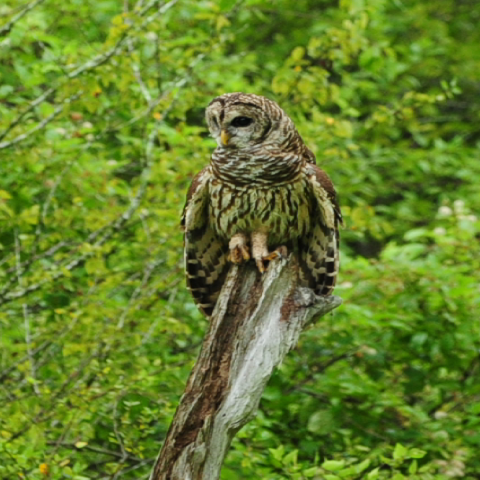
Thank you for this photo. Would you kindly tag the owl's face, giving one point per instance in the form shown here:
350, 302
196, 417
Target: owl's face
240, 121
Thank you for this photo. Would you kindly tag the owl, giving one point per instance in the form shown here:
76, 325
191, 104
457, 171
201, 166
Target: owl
260, 197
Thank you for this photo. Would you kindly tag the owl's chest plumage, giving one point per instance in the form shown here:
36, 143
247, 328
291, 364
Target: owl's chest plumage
282, 211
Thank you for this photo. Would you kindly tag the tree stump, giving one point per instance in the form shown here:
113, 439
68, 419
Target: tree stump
257, 320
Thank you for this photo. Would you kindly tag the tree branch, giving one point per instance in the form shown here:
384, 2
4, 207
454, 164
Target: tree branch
256, 322
26, 319
88, 66
7, 296
57, 111
5, 30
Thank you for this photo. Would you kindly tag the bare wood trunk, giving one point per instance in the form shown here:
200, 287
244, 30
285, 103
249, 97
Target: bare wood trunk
258, 319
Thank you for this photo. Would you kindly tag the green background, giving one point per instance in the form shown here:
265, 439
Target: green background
101, 131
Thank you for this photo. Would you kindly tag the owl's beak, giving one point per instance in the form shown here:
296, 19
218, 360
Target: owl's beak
225, 137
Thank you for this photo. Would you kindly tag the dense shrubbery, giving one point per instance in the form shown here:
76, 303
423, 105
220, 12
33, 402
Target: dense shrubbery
101, 130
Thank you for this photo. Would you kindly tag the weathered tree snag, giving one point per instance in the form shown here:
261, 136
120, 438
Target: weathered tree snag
257, 320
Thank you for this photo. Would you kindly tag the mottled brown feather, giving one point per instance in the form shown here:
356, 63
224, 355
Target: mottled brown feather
206, 254
319, 249
324, 180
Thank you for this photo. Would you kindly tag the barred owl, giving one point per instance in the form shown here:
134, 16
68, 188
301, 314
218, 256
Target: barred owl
260, 196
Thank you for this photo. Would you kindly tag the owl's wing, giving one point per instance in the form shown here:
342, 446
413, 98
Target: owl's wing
206, 264
319, 250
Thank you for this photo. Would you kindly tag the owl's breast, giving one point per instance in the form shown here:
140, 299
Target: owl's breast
283, 211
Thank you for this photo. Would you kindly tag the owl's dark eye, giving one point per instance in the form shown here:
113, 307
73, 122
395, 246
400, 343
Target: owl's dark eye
241, 122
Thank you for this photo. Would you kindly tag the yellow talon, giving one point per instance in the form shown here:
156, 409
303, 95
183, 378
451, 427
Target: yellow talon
238, 254
280, 252
260, 266
272, 256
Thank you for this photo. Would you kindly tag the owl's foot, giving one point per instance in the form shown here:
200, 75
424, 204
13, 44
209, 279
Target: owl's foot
239, 255
238, 249
260, 251
280, 252
260, 266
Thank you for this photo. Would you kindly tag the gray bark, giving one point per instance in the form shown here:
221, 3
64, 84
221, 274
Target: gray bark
257, 320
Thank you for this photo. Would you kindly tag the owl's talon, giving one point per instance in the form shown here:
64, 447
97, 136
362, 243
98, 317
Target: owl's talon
239, 251
239, 254
280, 252
260, 266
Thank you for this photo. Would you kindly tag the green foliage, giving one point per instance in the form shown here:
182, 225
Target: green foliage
101, 131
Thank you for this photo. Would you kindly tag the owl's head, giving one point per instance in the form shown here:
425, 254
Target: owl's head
244, 120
